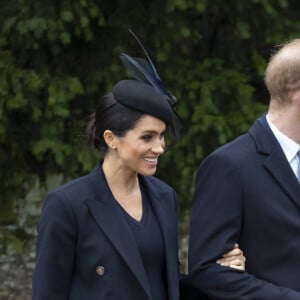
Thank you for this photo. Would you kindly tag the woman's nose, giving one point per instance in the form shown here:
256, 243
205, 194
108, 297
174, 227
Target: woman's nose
159, 147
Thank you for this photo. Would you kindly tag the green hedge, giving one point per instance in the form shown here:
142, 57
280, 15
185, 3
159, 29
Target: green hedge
58, 57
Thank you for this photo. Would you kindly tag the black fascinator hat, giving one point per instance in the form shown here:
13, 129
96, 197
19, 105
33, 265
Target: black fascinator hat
146, 92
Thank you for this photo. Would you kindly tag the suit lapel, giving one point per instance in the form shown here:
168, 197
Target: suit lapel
110, 219
275, 162
162, 211
279, 167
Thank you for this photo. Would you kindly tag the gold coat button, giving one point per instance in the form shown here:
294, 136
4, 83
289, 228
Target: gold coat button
100, 270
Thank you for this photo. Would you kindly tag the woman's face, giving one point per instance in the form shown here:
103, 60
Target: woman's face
140, 148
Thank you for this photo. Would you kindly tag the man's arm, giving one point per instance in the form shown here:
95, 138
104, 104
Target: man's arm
216, 222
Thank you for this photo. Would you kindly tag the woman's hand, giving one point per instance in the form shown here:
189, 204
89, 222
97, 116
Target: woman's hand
233, 259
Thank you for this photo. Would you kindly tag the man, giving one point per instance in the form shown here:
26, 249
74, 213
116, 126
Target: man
247, 191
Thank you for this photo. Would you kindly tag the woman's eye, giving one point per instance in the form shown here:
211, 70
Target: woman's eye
147, 137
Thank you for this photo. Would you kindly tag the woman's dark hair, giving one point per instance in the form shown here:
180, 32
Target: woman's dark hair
110, 115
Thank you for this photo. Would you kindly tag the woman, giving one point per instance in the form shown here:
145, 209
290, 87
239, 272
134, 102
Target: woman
112, 234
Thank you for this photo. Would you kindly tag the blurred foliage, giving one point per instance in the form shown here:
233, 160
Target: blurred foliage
58, 57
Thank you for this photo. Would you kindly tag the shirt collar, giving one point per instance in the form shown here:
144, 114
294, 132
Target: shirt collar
289, 147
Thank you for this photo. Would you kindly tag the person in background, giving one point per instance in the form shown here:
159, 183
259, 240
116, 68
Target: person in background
112, 234
248, 191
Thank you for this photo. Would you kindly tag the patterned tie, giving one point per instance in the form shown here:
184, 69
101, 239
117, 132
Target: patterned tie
298, 170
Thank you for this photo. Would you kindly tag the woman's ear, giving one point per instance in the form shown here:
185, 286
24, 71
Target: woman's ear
110, 139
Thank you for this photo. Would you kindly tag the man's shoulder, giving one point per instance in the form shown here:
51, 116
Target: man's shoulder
238, 146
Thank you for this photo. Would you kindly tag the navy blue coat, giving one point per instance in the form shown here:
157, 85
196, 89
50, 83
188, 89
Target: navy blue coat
246, 192
85, 249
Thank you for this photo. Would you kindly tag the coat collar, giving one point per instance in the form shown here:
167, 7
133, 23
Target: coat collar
110, 219
275, 161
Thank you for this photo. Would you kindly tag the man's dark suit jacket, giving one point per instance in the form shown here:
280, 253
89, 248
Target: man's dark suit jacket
85, 249
246, 192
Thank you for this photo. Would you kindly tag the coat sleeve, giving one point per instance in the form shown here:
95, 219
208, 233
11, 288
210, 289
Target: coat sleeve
55, 250
216, 221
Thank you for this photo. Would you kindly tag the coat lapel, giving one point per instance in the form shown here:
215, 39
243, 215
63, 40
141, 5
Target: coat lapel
279, 167
110, 219
162, 211
275, 162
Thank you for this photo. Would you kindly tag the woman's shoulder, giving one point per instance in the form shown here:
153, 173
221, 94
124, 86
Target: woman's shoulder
72, 190
73, 185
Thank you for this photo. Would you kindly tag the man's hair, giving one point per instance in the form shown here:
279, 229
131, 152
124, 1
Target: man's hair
282, 74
